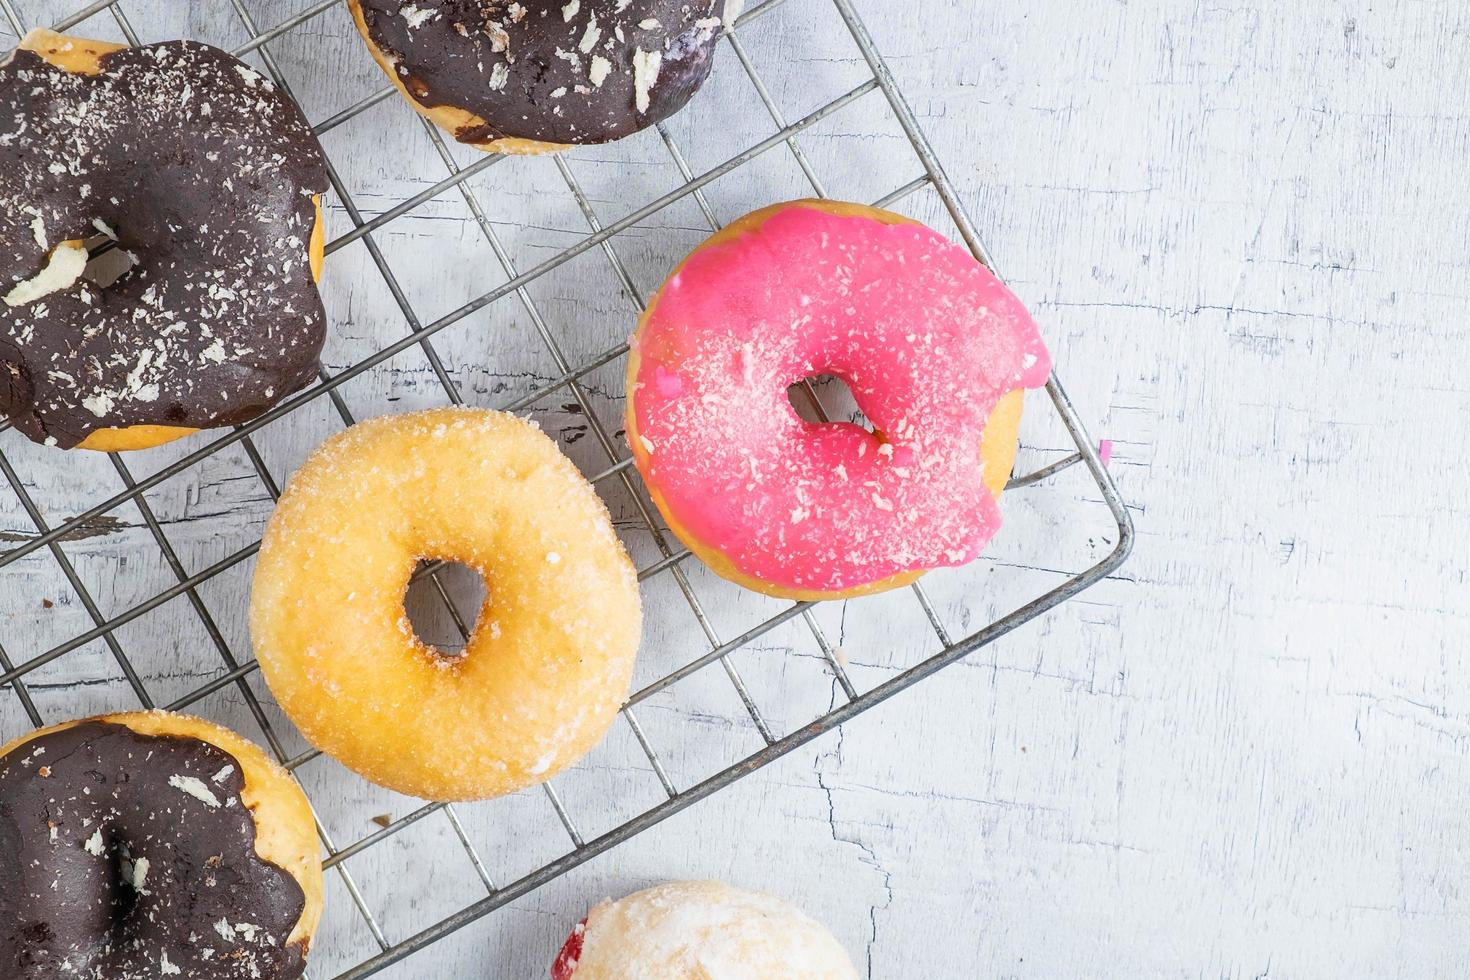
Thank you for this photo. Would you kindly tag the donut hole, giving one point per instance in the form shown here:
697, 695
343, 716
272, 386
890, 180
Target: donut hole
428, 608
126, 879
131, 876
834, 397
97, 260
106, 262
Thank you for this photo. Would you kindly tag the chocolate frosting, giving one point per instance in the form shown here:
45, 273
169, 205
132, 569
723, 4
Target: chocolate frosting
204, 174
558, 71
131, 857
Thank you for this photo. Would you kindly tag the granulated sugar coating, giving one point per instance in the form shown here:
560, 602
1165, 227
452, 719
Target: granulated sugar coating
701, 930
934, 348
548, 663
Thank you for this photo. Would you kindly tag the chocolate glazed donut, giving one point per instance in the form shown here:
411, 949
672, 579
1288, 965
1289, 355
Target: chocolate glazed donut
205, 179
151, 845
536, 75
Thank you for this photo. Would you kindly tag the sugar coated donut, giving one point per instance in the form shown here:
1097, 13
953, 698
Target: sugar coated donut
549, 661
203, 181
537, 75
933, 347
148, 844
700, 930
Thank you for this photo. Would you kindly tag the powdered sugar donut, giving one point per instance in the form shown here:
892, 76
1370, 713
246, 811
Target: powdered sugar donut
934, 348
700, 930
548, 663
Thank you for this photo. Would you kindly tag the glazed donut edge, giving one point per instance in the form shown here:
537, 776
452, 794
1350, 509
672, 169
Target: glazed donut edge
997, 447
285, 830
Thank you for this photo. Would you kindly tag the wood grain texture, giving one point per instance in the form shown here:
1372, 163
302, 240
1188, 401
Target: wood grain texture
1244, 229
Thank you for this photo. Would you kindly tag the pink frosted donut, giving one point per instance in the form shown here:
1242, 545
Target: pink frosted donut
700, 930
934, 348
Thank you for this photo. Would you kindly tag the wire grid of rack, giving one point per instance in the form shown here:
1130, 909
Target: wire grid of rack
571, 380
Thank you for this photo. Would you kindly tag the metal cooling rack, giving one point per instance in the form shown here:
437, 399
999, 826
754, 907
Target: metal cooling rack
236, 669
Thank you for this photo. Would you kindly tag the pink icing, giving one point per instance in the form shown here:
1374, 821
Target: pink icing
926, 338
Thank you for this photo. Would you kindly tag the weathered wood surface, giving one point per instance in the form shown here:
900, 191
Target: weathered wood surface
1245, 228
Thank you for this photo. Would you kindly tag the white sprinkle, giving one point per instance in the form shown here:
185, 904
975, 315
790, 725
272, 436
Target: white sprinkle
570, 11
650, 24
222, 775
38, 231
647, 443
93, 845
499, 75
105, 228
195, 787
645, 75
589, 39
135, 384
99, 404
600, 69
165, 968
416, 16
140, 875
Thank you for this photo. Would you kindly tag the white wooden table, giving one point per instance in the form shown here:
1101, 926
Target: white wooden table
1244, 228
